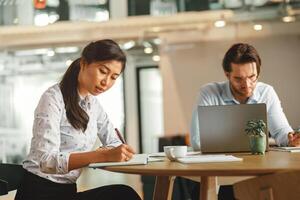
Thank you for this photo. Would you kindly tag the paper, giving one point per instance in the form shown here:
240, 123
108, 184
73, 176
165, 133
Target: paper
137, 159
162, 154
286, 149
155, 159
209, 158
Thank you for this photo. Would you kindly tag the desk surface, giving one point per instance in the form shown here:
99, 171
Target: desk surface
271, 162
252, 165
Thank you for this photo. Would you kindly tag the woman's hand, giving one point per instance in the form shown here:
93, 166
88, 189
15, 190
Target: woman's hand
103, 154
116, 154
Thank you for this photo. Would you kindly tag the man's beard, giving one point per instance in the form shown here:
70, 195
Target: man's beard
240, 92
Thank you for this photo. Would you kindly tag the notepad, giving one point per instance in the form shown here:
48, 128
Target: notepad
209, 158
162, 154
286, 149
137, 159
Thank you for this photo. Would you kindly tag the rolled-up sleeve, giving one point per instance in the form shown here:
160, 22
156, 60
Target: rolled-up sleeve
46, 132
277, 121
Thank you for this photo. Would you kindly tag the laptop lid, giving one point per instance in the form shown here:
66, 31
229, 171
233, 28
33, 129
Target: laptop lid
222, 127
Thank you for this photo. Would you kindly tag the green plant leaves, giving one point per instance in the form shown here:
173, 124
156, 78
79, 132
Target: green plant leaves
255, 128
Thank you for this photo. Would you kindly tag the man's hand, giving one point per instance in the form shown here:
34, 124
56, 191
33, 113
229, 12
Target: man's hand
294, 139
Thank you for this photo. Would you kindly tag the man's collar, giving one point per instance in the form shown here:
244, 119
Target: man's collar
226, 93
255, 96
228, 97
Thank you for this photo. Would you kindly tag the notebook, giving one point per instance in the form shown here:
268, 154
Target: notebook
137, 159
222, 127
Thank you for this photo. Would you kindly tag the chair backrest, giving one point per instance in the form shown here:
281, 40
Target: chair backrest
279, 186
11, 176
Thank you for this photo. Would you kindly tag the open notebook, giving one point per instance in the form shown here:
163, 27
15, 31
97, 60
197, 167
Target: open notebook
137, 159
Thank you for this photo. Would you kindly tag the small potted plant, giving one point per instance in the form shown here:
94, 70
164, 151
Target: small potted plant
255, 129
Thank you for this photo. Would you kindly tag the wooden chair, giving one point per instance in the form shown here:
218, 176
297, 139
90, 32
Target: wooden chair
280, 186
11, 176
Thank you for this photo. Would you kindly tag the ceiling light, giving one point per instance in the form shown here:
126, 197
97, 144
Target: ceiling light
128, 45
156, 58
148, 50
257, 27
50, 53
288, 18
220, 23
157, 41
287, 12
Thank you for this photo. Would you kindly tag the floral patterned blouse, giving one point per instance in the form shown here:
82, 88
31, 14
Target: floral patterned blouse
54, 138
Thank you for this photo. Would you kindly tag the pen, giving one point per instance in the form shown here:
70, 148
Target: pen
120, 136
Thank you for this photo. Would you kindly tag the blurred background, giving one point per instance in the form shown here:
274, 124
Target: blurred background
173, 47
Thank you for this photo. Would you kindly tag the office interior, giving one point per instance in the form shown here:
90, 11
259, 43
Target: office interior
173, 47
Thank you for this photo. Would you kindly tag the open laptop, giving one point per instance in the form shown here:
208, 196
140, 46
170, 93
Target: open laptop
222, 127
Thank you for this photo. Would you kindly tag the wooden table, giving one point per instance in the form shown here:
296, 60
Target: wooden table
252, 165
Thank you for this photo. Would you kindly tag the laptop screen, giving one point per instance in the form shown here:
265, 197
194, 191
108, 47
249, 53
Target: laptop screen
222, 127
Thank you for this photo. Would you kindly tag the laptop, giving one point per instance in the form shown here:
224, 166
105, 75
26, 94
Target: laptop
222, 127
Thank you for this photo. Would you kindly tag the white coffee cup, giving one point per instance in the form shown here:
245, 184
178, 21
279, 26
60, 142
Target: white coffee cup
174, 152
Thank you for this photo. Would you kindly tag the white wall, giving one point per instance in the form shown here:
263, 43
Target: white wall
186, 66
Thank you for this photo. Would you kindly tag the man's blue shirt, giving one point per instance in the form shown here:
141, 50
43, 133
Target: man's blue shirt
219, 93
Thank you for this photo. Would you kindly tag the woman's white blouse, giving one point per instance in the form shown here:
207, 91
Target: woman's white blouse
54, 138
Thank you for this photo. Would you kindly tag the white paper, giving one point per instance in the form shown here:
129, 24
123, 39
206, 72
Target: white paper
209, 158
155, 159
137, 159
162, 154
286, 149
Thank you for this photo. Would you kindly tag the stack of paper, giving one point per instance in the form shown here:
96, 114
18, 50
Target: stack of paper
209, 158
197, 157
287, 149
137, 159
162, 154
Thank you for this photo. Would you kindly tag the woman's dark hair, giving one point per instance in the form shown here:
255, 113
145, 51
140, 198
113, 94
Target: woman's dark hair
241, 53
101, 50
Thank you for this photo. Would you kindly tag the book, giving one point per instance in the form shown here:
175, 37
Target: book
209, 158
286, 149
137, 159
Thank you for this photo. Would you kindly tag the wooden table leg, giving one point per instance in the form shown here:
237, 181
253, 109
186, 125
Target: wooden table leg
163, 188
208, 189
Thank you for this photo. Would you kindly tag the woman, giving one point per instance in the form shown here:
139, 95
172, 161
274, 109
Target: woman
67, 121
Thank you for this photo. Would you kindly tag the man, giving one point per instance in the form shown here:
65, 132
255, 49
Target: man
241, 66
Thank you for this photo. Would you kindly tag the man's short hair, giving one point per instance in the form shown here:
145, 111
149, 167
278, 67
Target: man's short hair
241, 53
